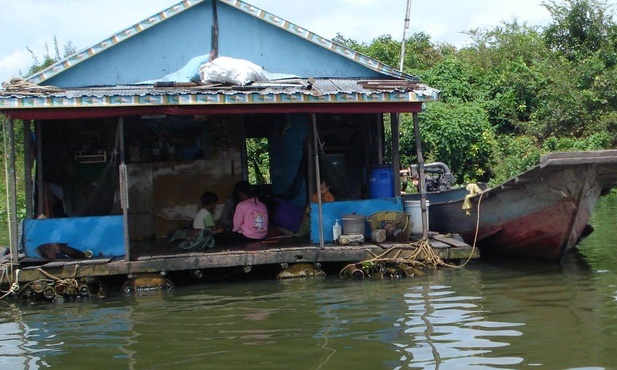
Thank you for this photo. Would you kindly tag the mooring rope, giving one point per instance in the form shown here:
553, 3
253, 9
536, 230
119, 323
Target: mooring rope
422, 249
15, 285
66, 282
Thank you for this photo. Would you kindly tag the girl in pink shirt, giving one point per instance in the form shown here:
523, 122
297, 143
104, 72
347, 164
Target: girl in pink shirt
251, 219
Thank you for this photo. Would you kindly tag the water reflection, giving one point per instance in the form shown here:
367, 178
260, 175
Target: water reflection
447, 330
18, 339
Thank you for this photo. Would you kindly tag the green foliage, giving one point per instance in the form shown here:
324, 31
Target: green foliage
516, 86
456, 134
579, 27
596, 141
20, 183
513, 155
49, 59
507, 58
421, 53
258, 160
384, 48
455, 79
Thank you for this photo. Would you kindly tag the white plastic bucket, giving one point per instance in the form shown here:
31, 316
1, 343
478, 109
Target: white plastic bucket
415, 215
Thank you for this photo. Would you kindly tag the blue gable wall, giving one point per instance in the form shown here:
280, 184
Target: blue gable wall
168, 46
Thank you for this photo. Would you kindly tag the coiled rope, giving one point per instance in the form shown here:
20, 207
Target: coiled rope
422, 256
18, 84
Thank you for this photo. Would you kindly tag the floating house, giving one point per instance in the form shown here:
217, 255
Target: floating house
122, 138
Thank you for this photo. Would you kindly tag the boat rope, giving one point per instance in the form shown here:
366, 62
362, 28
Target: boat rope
14, 287
475, 236
473, 189
421, 256
70, 282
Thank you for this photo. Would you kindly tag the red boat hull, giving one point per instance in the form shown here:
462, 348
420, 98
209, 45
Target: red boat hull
540, 214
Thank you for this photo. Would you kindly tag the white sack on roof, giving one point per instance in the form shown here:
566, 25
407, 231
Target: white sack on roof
231, 70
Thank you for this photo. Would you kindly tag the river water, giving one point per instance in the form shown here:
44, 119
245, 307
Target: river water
487, 315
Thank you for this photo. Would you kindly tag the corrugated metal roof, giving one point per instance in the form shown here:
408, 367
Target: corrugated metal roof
278, 92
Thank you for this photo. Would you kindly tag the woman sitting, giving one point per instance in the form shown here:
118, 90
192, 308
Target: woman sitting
250, 219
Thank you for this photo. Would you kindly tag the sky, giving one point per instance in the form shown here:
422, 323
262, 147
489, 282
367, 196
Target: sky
33, 24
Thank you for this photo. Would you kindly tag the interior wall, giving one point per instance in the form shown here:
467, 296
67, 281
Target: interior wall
165, 185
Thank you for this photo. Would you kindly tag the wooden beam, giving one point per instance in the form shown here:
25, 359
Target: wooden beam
28, 184
416, 131
124, 189
14, 240
396, 158
214, 52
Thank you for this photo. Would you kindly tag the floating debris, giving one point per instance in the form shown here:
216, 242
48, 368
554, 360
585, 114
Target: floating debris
301, 270
147, 282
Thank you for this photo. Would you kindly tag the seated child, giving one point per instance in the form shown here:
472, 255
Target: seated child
203, 219
324, 189
200, 235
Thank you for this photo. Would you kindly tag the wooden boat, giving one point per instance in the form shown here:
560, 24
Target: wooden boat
539, 214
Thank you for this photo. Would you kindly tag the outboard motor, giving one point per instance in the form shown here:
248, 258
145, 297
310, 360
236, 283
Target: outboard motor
437, 176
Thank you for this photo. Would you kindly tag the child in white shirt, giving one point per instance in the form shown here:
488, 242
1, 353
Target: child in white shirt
203, 219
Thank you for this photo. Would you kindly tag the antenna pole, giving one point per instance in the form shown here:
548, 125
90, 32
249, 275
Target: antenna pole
407, 15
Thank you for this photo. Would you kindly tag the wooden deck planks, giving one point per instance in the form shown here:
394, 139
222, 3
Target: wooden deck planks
171, 259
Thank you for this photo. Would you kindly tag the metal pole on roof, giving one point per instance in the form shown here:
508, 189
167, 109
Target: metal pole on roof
318, 179
406, 26
214, 52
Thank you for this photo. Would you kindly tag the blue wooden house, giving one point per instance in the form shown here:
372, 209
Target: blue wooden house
124, 136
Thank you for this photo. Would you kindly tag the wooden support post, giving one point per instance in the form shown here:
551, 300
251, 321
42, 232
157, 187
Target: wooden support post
13, 237
40, 189
416, 131
28, 184
124, 190
214, 53
317, 178
396, 159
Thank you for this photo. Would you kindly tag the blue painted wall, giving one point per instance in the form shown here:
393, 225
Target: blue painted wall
168, 46
336, 210
102, 235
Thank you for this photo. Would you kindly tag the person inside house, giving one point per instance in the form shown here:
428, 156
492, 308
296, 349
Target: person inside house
250, 218
226, 221
326, 196
203, 219
199, 236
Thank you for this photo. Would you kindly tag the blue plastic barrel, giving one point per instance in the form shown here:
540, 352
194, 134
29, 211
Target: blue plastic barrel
381, 182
